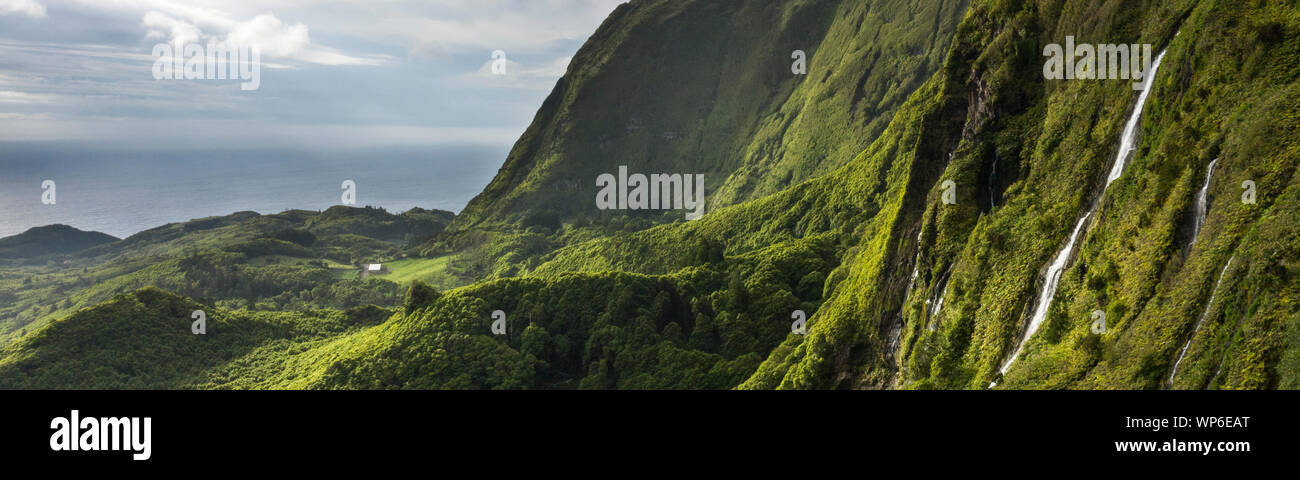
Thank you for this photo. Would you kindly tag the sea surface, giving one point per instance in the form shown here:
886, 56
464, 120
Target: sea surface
122, 191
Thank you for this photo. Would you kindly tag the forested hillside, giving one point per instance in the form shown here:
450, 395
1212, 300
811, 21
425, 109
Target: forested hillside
291, 260
942, 214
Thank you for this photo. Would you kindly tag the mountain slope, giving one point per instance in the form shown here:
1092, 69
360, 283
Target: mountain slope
50, 240
1031, 157
144, 340
287, 260
705, 87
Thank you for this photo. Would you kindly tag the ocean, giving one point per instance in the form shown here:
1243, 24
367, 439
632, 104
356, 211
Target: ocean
121, 191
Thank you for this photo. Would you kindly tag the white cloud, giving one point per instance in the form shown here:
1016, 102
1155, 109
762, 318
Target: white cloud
273, 36
179, 25
25, 7
165, 27
88, 65
531, 77
425, 29
10, 96
277, 39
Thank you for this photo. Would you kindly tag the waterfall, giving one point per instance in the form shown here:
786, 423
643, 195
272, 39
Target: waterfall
896, 333
1205, 313
934, 319
993, 182
941, 291
1053, 279
1201, 207
1127, 144
1128, 141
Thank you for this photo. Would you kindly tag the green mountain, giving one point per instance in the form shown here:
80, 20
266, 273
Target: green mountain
942, 214
144, 340
50, 240
290, 260
1027, 157
706, 87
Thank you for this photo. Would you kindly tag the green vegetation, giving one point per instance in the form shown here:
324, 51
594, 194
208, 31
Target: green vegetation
429, 270
733, 112
826, 198
143, 340
288, 261
695, 329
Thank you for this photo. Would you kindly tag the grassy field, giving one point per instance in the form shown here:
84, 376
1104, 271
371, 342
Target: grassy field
342, 271
432, 271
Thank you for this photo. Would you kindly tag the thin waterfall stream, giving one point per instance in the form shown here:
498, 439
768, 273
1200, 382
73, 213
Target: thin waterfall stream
1128, 141
1204, 313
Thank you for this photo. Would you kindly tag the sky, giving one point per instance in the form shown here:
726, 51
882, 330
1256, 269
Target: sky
332, 73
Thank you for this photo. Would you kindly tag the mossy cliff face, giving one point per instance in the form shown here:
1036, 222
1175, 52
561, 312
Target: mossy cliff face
1043, 158
706, 87
1028, 157
1035, 154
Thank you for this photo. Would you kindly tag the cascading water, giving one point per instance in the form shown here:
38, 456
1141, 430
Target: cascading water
1053, 279
1128, 141
897, 332
1201, 207
1201, 321
941, 292
934, 319
1127, 144
1227, 349
993, 181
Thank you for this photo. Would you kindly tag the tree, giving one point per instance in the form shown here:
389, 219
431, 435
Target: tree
535, 341
673, 333
703, 336
736, 291
707, 251
419, 296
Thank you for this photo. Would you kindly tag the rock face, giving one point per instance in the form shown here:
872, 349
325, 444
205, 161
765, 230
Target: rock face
50, 240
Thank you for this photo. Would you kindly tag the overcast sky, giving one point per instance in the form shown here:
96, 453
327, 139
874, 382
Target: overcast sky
333, 72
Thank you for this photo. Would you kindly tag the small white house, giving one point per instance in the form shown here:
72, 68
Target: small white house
372, 269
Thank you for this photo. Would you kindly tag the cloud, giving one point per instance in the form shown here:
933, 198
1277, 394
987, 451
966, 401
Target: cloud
43, 116
84, 71
457, 26
530, 77
25, 7
142, 134
9, 96
274, 37
164, 27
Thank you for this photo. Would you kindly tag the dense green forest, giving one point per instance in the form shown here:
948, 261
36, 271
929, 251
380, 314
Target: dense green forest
907, 194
